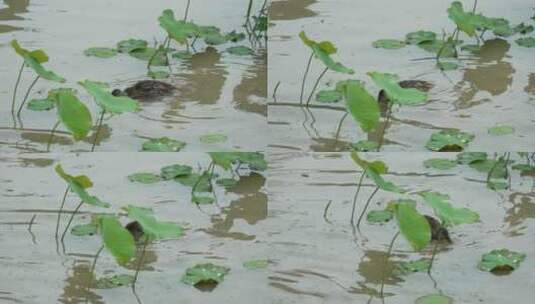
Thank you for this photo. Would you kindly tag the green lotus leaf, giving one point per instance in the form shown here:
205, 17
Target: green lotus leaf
499, 130
523, 29
73, 114
213, 138
178, 30
145, 54
240, 50
466, 158
397, 94
202, 200
326, 46
215, 38
449, 140
151, 227
379, 216
172, 171
100, 52
434, 299
472, 48
163, 144
322, 51
256, 264
39, 55
144, 178
390, 44
362, 105
119, 242
235, 37
205, 273
526, 42
158, 74
182, 55
448, 214
44, 104
378, 167
420, 36
227, 182
84, 229
108, 102
41, 71
435, 46
190, 180
501, 260
447, 66
440, 163
464, 20
114, 281
129, 45
365, 145
78, 185
405, 268
413, 226
329, 96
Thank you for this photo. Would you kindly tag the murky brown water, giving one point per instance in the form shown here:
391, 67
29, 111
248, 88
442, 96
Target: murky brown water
217, 92
494, 87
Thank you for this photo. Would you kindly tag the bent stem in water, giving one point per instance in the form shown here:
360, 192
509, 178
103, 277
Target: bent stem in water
366, 207
70, 220
99, 126
305, 77
27, 94
387, 121
92, 272
187, 11
49, 143
61, 210
432, 258
356, 196
316, 85
15, 90
140, 262
388, 253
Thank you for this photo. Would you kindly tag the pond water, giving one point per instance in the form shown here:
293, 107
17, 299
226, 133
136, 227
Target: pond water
493, 87
217, 92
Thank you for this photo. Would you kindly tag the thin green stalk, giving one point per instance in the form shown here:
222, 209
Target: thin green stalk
156, 52
27, 94
366, 207
140, 262
338, 130
316, 85
61, 210
15, 90
432, 258
49, 143
92, 272
99, 126
388, 114
389, 252
71, 219
187, 11
248, 15
305, 77
355, 198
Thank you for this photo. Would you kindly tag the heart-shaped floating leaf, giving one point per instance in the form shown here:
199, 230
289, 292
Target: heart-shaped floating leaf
129, 45
362, 105
447, 50
463, 19
466, 158
100, 52
440, 163
389, 44
74, 115
177, 29
191, 180
144, 178
172, 171
119, 242
159, 56
205, 273
399, 95
365, 145
163, 144
419, 37
501, 261
108, 102
448, 214
449, 140
44, 104
322, 51
523, 29
151, 227
379, 216
434, 299
412, 224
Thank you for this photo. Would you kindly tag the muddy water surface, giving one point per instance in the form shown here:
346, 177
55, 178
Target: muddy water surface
492, 87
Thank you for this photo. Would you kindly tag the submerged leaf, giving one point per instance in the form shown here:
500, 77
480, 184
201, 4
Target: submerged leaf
499, 130
159, 56
100, 52
448, 214
412, 224
501, 261
528, 42
151, 227
114, 281
172, 171
256, 264
434, 299
365, 145
117, 239
74, 115
240, 50
329, 96
449, 140
190, 180
362, 106
108, 102
419, 37
127, 46
466, 158
447, 66
84, 229
404, 268
397, 94
163, 144
144, 178
440, 163
213, 138
379, 216
44, 104
390, 44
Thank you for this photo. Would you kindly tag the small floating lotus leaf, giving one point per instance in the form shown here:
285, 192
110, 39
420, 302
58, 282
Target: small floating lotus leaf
224, 159
44, 104
362, 105
163, 144
329, 96
227, 182
404, 268
119, 242
413, 226
240, 50
447, 66
205, 273
449, 140
144, 178
399, 95
39, 55
100, 52
215, 38
435, 46
322, 51
419, 37
190, 180
151, 227
114, 281
448, 214
213, 138
177, 29
523, 29
497, 176
158, 74
202, 200
484, 165
365, 145
256, 264
84, 229
466, 158
108, 102
499, 130
72, 113
78, 185
472, 48
390, 44
379, 216
440, 163
172, 171
235, 37
127, 46
255, 160
434, 299
158, 59
501, 260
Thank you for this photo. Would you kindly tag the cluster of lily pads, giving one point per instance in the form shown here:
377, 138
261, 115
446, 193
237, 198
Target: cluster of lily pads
421, 230
122, 241
368, 110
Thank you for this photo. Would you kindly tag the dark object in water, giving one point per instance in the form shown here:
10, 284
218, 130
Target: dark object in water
438, 232
421, 85
146, 90
206, 285
135, 229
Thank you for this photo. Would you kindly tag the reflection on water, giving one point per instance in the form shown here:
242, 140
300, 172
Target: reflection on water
291, 9
75, 289
251, 207
13, 8
205, 77
250, 95
530, 88
491, 74
523, 208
